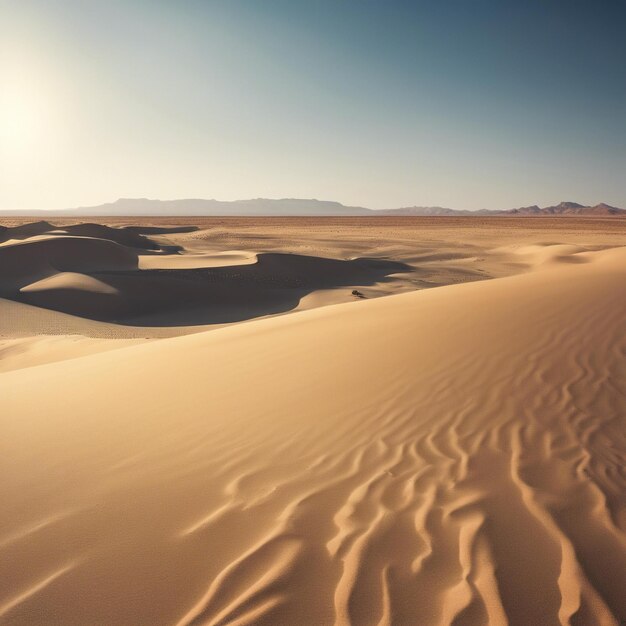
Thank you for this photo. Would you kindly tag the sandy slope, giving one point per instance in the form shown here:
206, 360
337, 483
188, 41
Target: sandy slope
31, 336
453, 455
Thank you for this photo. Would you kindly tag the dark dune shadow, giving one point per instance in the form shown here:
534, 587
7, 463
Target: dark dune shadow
274, 284
91, 270
160, 230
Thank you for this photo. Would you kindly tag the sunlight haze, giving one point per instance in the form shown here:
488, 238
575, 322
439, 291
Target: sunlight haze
373, 104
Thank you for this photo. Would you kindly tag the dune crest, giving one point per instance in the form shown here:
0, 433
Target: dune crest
452, 455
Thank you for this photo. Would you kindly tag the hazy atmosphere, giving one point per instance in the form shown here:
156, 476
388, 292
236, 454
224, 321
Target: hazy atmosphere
379, 104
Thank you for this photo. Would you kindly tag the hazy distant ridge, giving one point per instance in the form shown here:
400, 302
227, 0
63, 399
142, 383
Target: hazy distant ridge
564, 208
203, 207
302, 207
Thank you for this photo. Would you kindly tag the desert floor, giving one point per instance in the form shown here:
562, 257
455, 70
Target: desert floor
222, 421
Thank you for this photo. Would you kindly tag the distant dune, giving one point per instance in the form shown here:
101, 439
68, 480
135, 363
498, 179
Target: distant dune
302, 207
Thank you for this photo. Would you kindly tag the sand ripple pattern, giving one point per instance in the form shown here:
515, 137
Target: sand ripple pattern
448, 457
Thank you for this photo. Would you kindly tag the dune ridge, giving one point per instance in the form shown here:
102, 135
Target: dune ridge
448, 456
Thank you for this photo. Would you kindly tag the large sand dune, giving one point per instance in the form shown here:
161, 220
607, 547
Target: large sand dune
447, 456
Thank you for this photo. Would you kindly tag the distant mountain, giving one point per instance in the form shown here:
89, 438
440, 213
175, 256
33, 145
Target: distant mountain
426, 211
144, 207
432, 211
564, 208
569, 208
200, 207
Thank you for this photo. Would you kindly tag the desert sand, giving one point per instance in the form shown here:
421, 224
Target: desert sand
202, 424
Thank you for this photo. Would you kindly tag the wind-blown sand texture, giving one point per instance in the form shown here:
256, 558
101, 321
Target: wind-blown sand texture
440, 456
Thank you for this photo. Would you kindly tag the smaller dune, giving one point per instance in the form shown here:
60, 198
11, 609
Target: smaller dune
536, 255
70, 281
24, 231
130, 237
36, 258
196, 261
77, 293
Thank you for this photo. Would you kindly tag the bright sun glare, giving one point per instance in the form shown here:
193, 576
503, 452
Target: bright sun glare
29, 108
22, 119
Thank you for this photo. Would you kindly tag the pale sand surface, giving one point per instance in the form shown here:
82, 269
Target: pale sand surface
449, 455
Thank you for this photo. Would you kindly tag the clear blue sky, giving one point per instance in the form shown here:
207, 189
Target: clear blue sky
382, 103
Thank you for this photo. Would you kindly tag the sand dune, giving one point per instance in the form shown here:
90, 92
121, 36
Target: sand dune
448, 456
131, 237
108, 274
40, 257
25, 230
197, 261
272, 283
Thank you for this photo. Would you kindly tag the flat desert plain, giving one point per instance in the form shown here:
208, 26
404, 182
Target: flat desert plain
313, 421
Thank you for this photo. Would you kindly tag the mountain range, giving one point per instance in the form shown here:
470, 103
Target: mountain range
302, 207
564, 208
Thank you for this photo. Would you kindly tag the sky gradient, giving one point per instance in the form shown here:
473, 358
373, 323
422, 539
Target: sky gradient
375, 103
